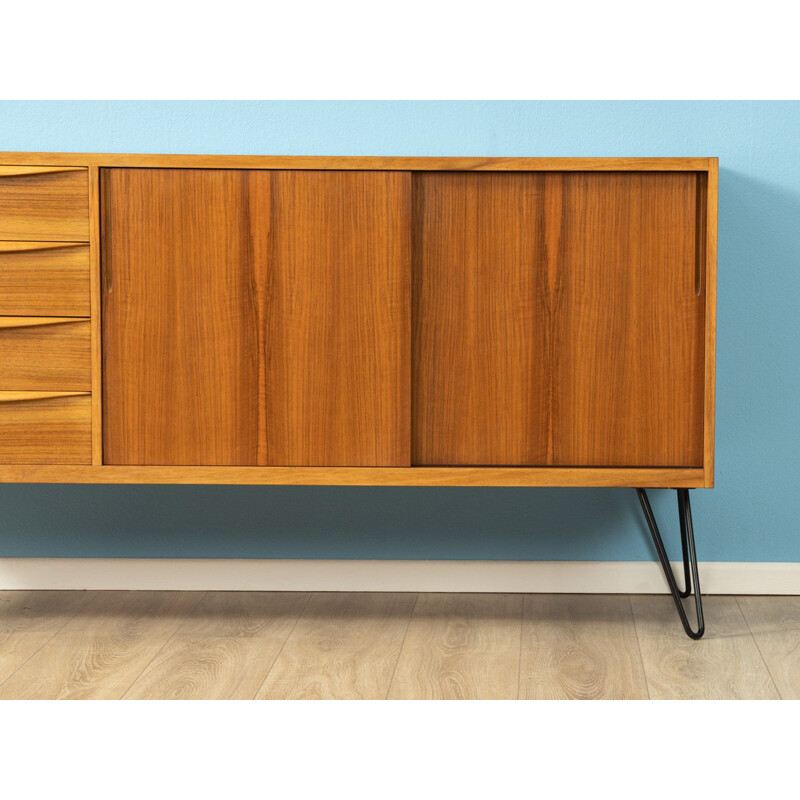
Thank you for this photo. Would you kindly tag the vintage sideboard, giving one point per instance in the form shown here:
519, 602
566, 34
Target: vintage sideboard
360, 321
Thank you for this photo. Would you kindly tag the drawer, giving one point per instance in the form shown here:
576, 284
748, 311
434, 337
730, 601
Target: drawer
45, 354
45, 428
44, 278
44, 204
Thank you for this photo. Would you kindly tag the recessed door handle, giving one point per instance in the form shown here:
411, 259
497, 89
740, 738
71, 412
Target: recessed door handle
24, 172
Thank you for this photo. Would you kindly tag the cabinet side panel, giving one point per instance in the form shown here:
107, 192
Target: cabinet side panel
182, 252
710, 182
629, 323
338, 321
481, 384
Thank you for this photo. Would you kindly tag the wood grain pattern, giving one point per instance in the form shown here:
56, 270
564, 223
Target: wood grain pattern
580, 647
99, 653
85, 644
224, 649
44, 278
711, 196
651, 201
627, 327
41, 205
556, 320
12, 171
344, 647
338, 320
355, 162
45, 354
362, 476
95, 278
480, 365
183, 259
45, 428
26, 611
28, 620
725, 664
461, 647
774, 623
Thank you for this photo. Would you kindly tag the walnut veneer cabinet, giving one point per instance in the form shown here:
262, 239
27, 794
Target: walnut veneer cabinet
370, 321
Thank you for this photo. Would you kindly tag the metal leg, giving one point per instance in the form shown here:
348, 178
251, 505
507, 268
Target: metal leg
689, 559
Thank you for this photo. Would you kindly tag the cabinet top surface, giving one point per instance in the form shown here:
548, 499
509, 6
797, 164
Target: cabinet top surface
356, 162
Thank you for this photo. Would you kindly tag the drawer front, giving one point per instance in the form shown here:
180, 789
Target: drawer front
45, 354
44, 278
44, 204
45, 428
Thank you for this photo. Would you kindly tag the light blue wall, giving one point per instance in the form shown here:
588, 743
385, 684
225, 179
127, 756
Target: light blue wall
752, 515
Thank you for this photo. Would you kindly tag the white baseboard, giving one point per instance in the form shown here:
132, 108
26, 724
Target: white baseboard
601, 577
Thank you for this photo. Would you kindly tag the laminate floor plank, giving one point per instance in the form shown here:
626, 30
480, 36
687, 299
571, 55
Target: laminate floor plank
580, 647
461, 646
774, 623
344, 646
724, 665
103, 649
29, 619
59, 644
225, 648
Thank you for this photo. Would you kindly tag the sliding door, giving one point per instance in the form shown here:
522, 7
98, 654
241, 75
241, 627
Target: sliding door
558, 319
256, 317
184, 254
480, 349
628, 321
377, 318
338, 320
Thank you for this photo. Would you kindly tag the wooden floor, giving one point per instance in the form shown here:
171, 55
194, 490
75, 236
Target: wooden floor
270, 645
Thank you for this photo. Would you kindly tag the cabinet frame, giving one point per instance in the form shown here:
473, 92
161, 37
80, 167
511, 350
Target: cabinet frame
380, 476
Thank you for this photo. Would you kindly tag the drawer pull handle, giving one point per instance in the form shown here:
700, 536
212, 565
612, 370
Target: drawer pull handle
31, 322
31, 247
22, 397
22, 172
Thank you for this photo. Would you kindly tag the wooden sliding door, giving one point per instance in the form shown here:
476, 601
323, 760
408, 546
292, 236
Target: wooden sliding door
338, 322
184, 252
558, 319
480, 354
384, 318
256, 317
628, 323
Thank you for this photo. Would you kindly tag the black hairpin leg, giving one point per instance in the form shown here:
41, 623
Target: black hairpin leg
690, 578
